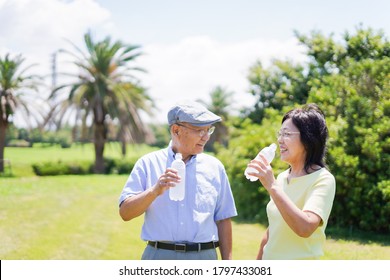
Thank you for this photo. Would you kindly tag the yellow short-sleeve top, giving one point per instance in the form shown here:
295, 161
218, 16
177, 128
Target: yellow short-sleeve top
313, 192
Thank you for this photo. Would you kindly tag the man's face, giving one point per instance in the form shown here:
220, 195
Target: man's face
189, 139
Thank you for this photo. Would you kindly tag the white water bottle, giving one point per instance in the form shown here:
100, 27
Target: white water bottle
177, 192
268, 153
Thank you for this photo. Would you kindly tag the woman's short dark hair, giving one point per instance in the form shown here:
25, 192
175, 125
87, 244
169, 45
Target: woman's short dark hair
310, 121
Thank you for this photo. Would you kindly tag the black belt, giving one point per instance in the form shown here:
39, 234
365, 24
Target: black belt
184, 247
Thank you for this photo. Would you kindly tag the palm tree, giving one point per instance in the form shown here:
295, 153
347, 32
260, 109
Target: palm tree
14, 84
221, 101
105, 88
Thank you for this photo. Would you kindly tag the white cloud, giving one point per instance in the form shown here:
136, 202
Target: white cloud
38, 28
185, 69
191, 68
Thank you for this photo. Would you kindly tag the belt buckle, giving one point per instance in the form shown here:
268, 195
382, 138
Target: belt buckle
180, 247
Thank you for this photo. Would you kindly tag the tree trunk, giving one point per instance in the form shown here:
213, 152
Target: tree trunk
122, 138
123, 147
3, 129
100, 139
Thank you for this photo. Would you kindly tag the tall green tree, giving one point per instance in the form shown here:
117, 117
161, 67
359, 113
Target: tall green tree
105, 87
285, 83
350, 80
357, 99
282, 84
15, 84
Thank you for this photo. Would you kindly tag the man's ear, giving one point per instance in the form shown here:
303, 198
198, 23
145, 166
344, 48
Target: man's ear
175, 129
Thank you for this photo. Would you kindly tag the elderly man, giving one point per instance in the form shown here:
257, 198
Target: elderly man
193, 228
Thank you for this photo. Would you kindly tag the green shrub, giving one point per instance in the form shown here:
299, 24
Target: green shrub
123, 166
62, 168
362, 200
112, 166
18, 143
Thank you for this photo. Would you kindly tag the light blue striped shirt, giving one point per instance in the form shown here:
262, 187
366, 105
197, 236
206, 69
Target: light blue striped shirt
208, 198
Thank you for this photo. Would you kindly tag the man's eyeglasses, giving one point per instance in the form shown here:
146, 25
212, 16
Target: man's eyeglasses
286, 134
202, 132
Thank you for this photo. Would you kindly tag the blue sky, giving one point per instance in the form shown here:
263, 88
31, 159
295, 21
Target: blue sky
190, 46
237, 20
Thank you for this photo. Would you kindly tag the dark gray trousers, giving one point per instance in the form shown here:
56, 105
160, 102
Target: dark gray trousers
151, 253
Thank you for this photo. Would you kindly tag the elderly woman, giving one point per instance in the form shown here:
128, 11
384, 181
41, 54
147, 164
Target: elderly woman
301, 197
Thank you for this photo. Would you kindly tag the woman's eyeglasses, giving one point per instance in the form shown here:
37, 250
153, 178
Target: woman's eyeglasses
286, 134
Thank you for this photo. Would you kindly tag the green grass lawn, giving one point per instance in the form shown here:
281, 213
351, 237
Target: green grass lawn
76, 217
68, 217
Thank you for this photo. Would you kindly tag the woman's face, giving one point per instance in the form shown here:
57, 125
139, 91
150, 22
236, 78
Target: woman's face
291, 148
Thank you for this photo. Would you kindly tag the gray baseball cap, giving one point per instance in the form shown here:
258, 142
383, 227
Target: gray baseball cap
192, 113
